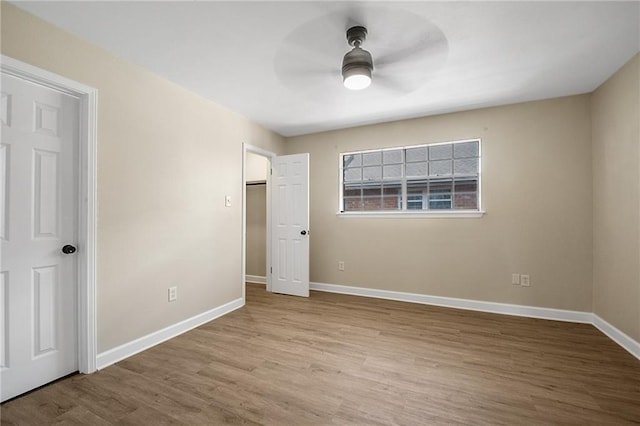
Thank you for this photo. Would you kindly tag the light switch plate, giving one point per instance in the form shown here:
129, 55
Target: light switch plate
173, 294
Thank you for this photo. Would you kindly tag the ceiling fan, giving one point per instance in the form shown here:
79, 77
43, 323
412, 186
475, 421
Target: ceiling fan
408, 50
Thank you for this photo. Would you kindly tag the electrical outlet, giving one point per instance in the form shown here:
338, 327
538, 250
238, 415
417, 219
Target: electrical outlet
173, 294
524, 280
515, 279
340, 265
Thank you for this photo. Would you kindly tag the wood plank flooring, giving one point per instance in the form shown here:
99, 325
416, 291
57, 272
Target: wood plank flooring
334, 359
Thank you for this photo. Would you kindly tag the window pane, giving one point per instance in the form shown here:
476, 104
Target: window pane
351, 175
466, 194
465, 149
392, 171
440, 152
372, 158
440, 194
372, 196
466, 166
352, 160
352, 200
416, 194
431, 177
392, 157
415, 202
392, 196
416, 154
372, 173
415, 169
417, 186
440, 168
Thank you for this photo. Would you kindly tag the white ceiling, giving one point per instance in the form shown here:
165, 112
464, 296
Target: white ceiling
278, 63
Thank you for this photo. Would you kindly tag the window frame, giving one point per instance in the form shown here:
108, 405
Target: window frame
404, 211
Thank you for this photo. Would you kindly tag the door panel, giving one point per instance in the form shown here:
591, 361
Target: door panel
45, 194
38, 298
290, 224
45, 284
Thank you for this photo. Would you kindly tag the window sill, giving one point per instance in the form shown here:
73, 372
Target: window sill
405, 214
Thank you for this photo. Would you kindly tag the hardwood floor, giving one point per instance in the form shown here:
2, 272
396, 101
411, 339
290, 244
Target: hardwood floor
335, 359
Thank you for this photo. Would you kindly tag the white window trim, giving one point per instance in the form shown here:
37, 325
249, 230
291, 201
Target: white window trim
420, 214
406, 213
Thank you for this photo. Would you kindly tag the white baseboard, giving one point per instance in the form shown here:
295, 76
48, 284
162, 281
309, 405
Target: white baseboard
609, 330
451, 302
617, 336
255, 279
126, 350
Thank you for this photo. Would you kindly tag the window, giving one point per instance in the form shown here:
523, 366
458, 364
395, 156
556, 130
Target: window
426, 178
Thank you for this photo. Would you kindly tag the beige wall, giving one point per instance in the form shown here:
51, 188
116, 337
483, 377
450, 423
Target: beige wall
257, 230
615, 110
536, 187
166, 159
256, 167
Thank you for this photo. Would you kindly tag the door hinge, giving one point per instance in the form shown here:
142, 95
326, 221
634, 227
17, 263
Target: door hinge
271, 271
271, 171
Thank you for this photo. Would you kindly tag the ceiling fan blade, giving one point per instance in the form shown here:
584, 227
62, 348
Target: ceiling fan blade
306, 73
319, 52
423, 48
393, 84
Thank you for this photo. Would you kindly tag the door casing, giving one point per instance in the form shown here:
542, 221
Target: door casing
87, 197
246, 148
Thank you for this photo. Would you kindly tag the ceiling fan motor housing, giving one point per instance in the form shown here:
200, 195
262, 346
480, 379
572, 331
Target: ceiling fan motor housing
356, 35
357, 60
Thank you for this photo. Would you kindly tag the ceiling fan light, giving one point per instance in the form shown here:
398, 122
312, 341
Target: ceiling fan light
358, 79
356, 69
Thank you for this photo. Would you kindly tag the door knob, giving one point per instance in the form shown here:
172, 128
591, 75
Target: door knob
68, 249
303, 232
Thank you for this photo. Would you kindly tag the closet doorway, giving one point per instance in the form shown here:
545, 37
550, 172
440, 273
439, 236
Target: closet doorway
257, 169
275, 244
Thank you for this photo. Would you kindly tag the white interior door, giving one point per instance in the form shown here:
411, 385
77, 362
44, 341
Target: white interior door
38, 282
290, 224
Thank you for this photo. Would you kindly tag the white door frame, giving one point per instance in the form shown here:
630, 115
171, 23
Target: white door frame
269, 155
87, 148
